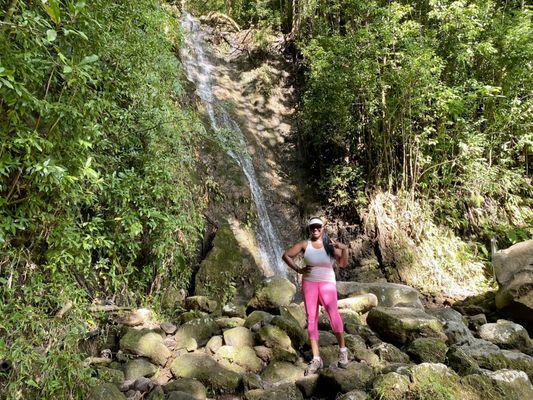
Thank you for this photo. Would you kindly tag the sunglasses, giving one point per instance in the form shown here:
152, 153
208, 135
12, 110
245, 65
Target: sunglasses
314, 227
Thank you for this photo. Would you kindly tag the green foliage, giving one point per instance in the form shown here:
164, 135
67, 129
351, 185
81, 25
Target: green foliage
97, 191
430, 98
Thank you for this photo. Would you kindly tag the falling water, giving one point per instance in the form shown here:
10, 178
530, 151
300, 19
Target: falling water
198, 69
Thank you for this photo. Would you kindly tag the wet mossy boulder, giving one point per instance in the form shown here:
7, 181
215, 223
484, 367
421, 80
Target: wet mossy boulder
115, 376
388, 294
354, 395
201, 303
146, 343
257, 319
296, 311
206, 370
404, 324
430, 350
275, 292
293, 329
388, 353
229, 272
272, 336
359, 303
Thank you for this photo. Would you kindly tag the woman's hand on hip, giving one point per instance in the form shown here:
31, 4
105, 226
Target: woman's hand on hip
305, 270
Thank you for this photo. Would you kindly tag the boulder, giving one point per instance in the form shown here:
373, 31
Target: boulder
268, 354
296, 311
354, 395
475, 321
506, 335
455, 328
168, 327
288, 324
430, 350
146, 343
177, 395
239, 359
355, 376
173, 297
206, 370
257, 319
197, 331
388, 294
513, 268
106, 391
274, 337
156, 394
138, 367
192, 386
136, 317
275, 292
391, 386
229, 322
201, 303
434, 380
287, 391
239, 336
359, 303
214, 344
498, 388
308, 385
234, 310
278, 371
229, 271
112, 375
388, 353
403, 324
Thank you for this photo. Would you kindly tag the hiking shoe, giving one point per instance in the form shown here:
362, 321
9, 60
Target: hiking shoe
343, 359
313, 366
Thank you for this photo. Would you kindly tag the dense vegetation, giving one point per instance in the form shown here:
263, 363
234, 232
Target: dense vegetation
97, 199
429, 99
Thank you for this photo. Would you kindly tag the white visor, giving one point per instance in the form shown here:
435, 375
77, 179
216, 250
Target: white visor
315, 221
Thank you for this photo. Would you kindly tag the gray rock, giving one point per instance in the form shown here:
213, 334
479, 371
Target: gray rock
143, 384
403, 324
454, 327
234, 310
179, 396
290, 326
355, 376
390, 354
427, 350
308, 385
257, 319
388, 294
506, 334
391, 386
475, 321
201, 303
359, 303
296, 311
272, 336
281, 371
354, 395
168, 327
156, 394
214, 344
239, 359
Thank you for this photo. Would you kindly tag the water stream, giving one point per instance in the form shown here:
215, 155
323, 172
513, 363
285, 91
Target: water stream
199, 70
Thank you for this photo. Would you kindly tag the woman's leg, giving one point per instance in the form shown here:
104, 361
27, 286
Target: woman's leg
310, 292
327, 293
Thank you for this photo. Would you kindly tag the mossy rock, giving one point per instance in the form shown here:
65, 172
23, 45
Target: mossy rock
296, 311
205, 369
506, 335
201, 303
146, 343
498, 389
390, 354
293, 329
239, 336
106, 391
157, 393
229, 273
354, 395
437, 382
355, 376
404, 324
427, 350
177, 395
391, 386
287, 391
280, 370
229, 322
138, 367
200, 329
257, 319
272, 336
188, 385
275, 292
243, 357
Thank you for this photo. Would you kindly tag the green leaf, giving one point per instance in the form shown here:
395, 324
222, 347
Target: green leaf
51, 35
89, 59
52, 9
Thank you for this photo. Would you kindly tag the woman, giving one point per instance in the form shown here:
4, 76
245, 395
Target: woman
319, 286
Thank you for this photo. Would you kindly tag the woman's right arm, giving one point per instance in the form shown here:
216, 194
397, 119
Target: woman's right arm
292, 252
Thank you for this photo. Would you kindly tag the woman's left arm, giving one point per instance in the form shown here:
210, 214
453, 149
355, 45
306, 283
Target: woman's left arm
341, 253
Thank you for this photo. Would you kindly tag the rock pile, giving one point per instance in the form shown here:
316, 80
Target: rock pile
399, 350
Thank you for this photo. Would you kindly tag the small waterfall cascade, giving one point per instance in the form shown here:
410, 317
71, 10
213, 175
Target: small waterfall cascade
199, 70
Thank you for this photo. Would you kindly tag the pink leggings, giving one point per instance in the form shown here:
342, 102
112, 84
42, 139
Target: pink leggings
324, 293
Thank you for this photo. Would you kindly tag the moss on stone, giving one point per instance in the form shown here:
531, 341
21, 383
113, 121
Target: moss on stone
427, 350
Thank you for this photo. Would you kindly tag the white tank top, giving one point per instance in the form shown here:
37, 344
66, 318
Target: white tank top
321, 264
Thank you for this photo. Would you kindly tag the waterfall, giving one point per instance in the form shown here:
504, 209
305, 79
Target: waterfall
198, 69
